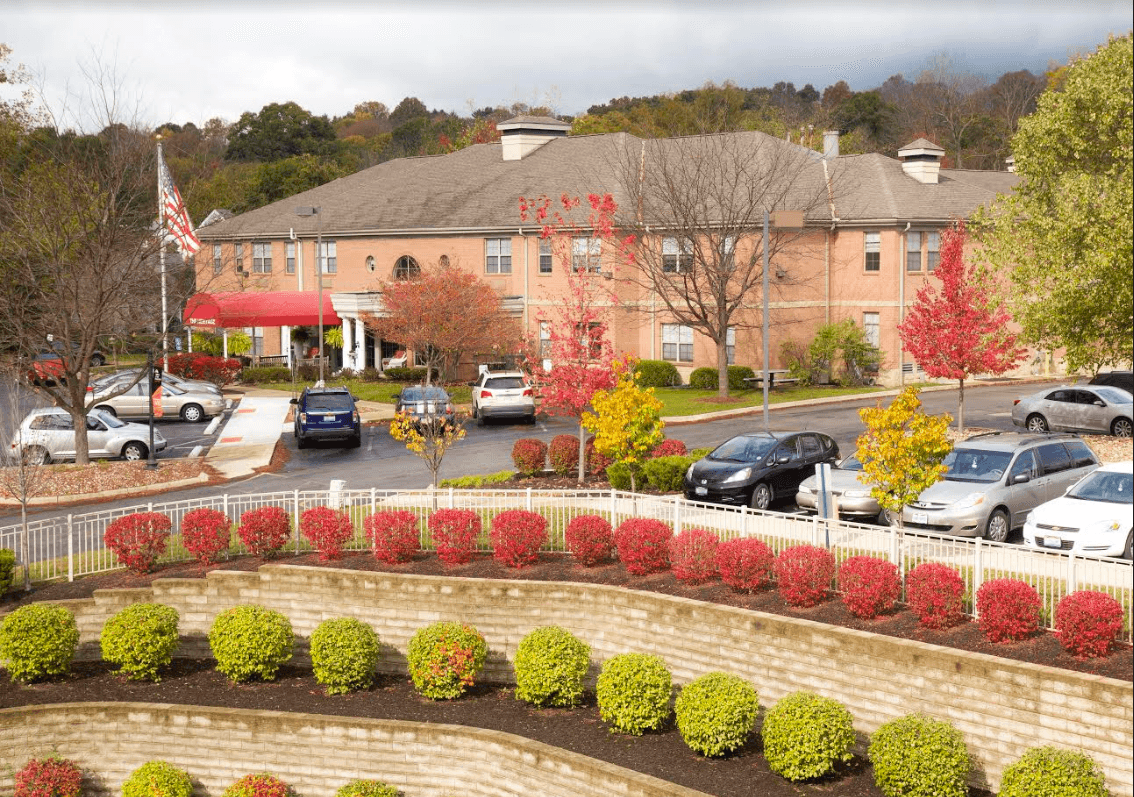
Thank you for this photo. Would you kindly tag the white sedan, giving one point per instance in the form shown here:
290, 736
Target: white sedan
1094, 517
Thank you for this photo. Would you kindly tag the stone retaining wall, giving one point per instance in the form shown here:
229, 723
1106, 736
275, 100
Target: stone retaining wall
1002, 707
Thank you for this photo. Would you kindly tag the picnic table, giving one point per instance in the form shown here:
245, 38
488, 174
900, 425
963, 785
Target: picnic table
774, 375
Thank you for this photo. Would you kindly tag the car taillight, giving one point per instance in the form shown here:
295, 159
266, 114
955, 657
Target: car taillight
529, 392
485, 393
303, 417
354, 417
1014, 403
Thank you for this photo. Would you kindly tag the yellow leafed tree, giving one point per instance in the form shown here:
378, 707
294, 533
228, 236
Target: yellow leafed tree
626, 421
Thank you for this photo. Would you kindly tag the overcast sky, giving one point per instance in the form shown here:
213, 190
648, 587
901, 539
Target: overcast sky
192, 61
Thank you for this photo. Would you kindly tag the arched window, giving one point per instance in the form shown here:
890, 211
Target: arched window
443, 261
406, 268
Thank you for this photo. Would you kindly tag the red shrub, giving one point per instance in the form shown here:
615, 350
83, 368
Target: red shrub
265, 530
870, 586
258, 786
935, 593
564, 454
516, 536
745, 564
326, 529
1008, 609
669, 448
693, 554
804, 574
1087, 623
528, 455
49, 777
206, 533
394, 535
590, 539
643, 545
454, 533
217, 370
597, 462
138, 539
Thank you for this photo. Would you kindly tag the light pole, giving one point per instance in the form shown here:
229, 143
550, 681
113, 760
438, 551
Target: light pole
307, 210
780, 219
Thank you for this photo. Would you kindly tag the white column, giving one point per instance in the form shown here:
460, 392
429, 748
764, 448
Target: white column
348, 344
285, 344
360, 337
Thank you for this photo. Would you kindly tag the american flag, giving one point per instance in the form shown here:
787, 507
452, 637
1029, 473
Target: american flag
174, 213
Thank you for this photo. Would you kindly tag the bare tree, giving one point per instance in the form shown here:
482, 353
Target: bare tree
22, 478
696, 207
956, 102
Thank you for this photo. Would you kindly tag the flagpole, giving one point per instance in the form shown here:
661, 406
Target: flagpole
161, 262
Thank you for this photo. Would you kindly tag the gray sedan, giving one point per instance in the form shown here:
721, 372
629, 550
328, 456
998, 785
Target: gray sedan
851, 493
188, 405
104, 383
1101, 409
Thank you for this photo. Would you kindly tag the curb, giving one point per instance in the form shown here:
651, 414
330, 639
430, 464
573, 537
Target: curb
124, 492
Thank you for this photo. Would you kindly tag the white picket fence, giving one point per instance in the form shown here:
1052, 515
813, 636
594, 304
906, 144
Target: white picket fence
72, 546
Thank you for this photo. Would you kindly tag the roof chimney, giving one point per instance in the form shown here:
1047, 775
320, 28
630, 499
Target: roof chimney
921, 160
830, 144
521, 135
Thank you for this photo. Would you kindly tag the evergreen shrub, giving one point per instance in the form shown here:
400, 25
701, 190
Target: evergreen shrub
1050, 772
266, 373
666, 474
705, 378
590, 539
716, 713
550, 666
633, 693
157, 779
806, 736
445, 658
38, 641
918, 756
367, 788
141, 639
7, 568
656, 373
250, 641
344, 654
622, 476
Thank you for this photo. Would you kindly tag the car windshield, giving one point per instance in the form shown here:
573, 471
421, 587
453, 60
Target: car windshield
426, 393
851, 463
504, 383
744, 448
976, 465
110, 420
1114, 488
1113, 394
328, 402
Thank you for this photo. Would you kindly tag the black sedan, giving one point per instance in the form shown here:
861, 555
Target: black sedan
758, 468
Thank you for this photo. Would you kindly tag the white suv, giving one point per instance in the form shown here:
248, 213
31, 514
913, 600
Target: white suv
502, 394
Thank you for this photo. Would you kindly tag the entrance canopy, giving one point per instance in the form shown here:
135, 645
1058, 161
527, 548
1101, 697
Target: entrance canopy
270, 309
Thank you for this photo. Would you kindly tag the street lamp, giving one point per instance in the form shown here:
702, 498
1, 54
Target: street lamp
780, 219
307, 210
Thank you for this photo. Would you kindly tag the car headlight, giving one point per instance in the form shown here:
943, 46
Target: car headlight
739, 476
689, 472
970, 500
857, 494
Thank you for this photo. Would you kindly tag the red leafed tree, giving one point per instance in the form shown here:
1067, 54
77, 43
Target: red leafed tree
443, 314
960, 327
578, 354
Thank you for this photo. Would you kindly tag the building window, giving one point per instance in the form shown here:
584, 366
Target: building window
913, 251
677, 256
443, 261
261, 258
544, 340
728, 252
238, 252
289, 256
545, 256
585, 253
498, 256
406, 268
677, 343
871, 329
330, 258
218, 260
730, 345
873, 260
591, 338
370, 264
932, 250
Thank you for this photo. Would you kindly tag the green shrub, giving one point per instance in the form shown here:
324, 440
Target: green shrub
414, 375
918, 756
550, 666
344, 654
805, 735
1051, 772
7, 568
716, 713
699, 453
618, 474
250, 641
157, 779
141, 640
633, 693
445, 658
38, 641
656, 373
706, 378
472, 482
266, 373
366, 788
666, 474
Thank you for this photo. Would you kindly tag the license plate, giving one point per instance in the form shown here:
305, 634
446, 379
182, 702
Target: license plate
328, 417
430, 408
701, 490
920, 517
1052, 542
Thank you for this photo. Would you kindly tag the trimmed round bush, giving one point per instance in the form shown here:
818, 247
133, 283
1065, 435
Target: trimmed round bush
528, 455
157, 779
1009, 609
620, 474
38, 641
394, 534
445, 658
590, 539
206, 533
454, 533
805, 735
49, 777
516, 536
643, 545
745, 564
138, 539
666, 474
706, 378
716, 713
563, 453
918, 756
550, 666
1050, 772
633, 693
870, 586
935, 593
250, 642
1088, 622
141, 640
263, 785
327, 529
367, 788
693, 555
804, 574
656, 373
344, 654
264, 531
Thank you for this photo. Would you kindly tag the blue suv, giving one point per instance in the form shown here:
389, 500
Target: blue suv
326, 413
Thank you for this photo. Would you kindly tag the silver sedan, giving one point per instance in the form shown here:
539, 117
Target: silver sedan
188, 405
852, 494
1101, 409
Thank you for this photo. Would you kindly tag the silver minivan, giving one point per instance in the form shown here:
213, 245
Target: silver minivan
48, 434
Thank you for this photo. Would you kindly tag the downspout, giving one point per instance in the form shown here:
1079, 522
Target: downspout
827, 246
902, 303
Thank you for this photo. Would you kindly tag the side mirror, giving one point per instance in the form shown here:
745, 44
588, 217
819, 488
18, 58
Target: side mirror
294, 401
783, 458
1021, 478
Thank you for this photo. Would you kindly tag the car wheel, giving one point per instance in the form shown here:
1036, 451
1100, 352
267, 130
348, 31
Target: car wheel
192, 413
36, 455
531, 419
356, 441
97, 360
134, 451
107, 409
1036, 423
1128, 551
300, 440
474, 412
998, 526
1121, 427
761, 496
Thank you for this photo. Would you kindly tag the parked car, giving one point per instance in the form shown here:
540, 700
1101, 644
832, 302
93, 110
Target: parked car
326, 413
1100, 409
46, 366
426, 403
103, 383
188, 405
1122, 379
759, 468
1094, 517
502, 394
48, 434
852, 494
994, 480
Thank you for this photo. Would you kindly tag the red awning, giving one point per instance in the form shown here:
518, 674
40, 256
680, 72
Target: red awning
272, 309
